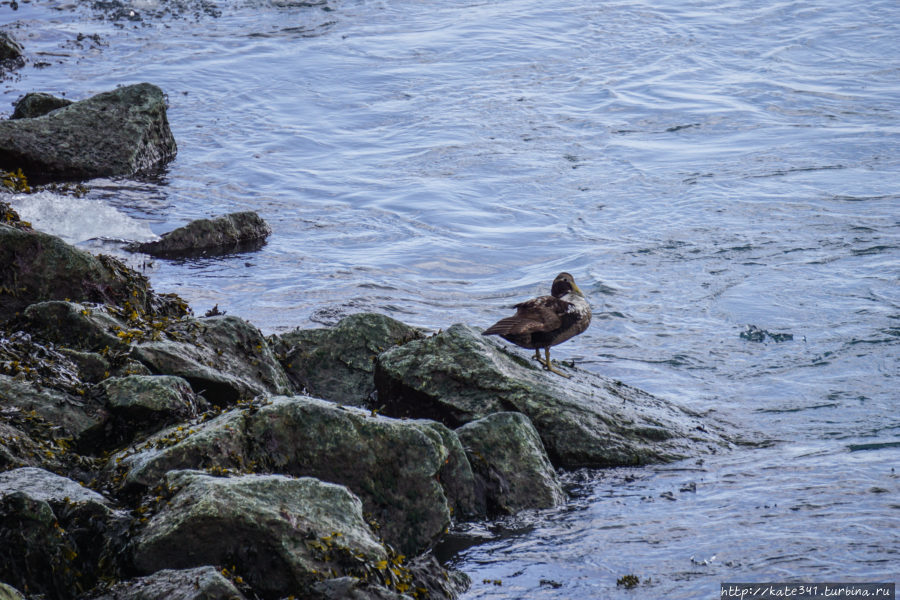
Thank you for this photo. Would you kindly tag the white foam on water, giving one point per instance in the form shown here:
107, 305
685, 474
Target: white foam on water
78, 219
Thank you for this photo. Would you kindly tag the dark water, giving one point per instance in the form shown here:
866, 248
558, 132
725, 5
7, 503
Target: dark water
698, 166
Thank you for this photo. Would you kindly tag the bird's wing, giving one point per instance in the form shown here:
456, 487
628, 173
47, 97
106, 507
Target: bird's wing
538, 314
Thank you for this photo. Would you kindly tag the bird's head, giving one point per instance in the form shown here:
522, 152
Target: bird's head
563, 284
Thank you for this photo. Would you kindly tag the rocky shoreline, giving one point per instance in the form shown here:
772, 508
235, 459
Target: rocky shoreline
149, 453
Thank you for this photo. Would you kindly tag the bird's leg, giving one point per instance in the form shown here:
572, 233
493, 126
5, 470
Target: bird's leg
537, 355
549, 366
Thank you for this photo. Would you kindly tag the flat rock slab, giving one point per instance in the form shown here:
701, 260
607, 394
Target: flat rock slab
238, 231
47, 487
200, 583
121, 132
459, 376
276, 530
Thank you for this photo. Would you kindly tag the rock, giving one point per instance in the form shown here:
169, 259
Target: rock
76, 325
459, 376
338, 363
455, 476
8, 592
141, 404
280, 533
225, 359
234, 232
152, 399
49, 487
37, 104
121, 132
11, 53
391, 465
352, 588
437, 582
38, 267
218, 444
510, 463
200, 583
55, 545
68, 415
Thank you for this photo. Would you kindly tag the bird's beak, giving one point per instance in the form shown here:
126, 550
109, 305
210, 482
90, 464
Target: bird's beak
577, 289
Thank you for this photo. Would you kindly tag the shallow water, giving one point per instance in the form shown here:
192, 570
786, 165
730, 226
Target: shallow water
699, 167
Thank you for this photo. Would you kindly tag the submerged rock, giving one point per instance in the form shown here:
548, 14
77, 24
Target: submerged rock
281, 534
337, 363
510, 463
121, 132
37, 104
200, 583
459, 376
11, 52
234, 232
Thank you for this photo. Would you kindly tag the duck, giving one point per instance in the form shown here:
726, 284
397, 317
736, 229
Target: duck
546, 321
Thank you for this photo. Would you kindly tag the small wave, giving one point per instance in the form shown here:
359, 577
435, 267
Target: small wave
79, 219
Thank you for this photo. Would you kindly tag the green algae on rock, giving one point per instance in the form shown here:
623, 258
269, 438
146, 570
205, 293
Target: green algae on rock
121, 132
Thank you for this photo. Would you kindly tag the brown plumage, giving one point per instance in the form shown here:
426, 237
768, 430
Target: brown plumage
547, 320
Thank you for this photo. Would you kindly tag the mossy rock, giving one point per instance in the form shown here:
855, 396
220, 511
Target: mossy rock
337, 363
37, 104
240, 231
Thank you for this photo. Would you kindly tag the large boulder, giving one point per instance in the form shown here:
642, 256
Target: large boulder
199, 583
37, 104
337, 363
391, 465
459, 376
56, 537
230, 233
281, 534
11, 53
37, 267
121, 132
510, 464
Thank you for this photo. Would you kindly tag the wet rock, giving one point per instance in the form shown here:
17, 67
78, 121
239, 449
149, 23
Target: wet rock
352, 588
338, 363
459, 376
218, 444
280, 533
18, 449
437, 582
200, 583
391, 465
11, 53
754, 334
240, 231
225, 359
36, 267
121, 132
70, 416
56, 538
37, 104
510, 463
